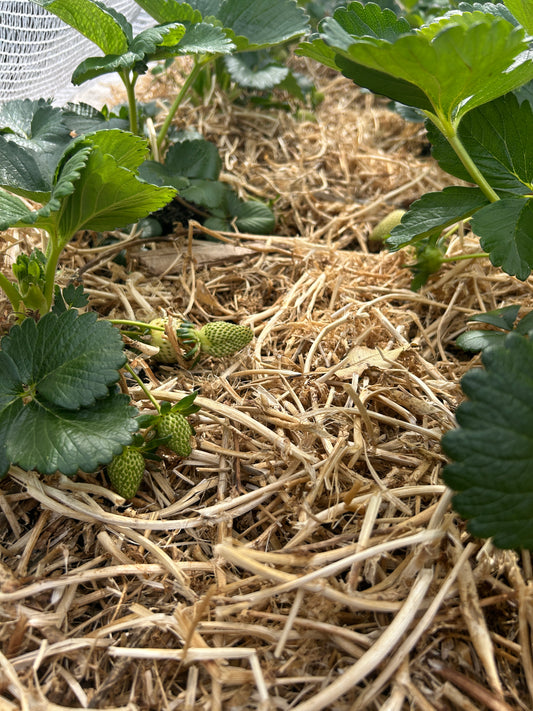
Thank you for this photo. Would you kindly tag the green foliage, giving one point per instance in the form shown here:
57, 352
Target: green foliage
492, 449
90, 182
479, 131
460, 71
206, 30
58, 408
192, 165
503, 319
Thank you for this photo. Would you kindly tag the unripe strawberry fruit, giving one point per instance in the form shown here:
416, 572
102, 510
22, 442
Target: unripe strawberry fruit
383, 229
166, 354
126, 472
176, 425
221, 338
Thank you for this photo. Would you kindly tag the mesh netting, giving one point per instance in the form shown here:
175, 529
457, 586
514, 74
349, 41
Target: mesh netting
39, 52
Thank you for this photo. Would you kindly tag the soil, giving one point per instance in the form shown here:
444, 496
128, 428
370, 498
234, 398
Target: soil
306, 555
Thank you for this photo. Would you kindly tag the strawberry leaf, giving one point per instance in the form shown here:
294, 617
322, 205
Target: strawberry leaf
48, 438
57, 411
496, 136
492, 449
505, 228
433, 212
143, 48
246, 25
69, 359
447, 68
172, 10
523, 11
96, 187
104, 26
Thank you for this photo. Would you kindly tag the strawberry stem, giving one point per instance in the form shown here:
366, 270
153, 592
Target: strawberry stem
138, 324
143, 387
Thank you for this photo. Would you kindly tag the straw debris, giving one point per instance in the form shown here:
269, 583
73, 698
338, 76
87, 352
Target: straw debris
305, 555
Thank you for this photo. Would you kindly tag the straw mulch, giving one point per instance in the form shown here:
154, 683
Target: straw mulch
305, 556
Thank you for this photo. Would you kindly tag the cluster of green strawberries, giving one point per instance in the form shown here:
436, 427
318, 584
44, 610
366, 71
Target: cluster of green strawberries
170, 426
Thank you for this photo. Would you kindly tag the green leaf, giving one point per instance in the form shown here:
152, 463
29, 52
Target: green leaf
170, 11
28, 167
96, 187
146, 46
48, 438
128, 151
359, 23
69, 359
194, 158
500, 318
318, 50
491, 8
33, 138
433, 212
158, 174
255, 70
479, 340
251, 216
204, 38
262, 23
206, 193
83, 118
505, 229
255, 217
492, 449
249, 25
448, 67
108, 196
7, 416
496, 136
105, 27
367, 20
15, 212
69, 297
56, 409
525, 325
523, 11
37, 121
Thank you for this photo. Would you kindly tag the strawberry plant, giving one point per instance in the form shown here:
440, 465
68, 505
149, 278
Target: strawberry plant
59, 406
206, 32
463, 72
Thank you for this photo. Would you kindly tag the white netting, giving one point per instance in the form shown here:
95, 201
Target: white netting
39, 52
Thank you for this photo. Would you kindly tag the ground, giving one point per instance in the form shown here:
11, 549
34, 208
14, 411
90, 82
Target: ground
306, 555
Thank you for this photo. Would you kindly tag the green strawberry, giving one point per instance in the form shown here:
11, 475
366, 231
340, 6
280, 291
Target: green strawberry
218, 338
383, 229
176, 425
126, 472
166, 354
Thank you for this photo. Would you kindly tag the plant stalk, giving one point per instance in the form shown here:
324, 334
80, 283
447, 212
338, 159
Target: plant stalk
459, 257
52, 260
132, 104
143, 387
198, 66
450, 133
139, 324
